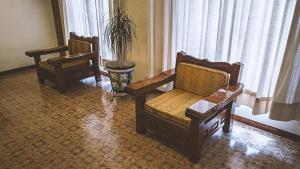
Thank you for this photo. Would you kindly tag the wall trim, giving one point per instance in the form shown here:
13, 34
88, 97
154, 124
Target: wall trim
16, 70
267, 128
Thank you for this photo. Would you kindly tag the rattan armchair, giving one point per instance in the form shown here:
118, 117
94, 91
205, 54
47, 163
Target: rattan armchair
81, 62
200, 102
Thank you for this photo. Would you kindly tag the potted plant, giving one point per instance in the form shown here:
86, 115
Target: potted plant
119, 36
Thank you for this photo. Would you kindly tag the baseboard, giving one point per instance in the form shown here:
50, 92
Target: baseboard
267, 128
19, 69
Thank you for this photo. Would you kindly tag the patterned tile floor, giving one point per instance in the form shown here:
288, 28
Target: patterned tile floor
40, 128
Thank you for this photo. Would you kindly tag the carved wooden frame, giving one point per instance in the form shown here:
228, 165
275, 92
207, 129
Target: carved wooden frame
58, 76
207, 115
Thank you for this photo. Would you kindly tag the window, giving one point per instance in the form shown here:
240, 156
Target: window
88, 18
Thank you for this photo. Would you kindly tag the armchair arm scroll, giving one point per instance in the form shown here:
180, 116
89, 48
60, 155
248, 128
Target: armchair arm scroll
204, 108
40, 52
145, 86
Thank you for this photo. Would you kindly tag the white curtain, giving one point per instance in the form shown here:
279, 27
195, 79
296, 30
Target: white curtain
253, 32
88, 18
286, 101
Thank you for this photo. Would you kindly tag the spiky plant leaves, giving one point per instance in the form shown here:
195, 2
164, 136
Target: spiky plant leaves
119, 34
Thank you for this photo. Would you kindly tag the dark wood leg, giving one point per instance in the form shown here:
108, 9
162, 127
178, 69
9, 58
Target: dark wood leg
41, 81
226, 127
196, 141
60, 83
195, 155
97, 77
139, 104
141, 130
95, 64
37, 60
61, 88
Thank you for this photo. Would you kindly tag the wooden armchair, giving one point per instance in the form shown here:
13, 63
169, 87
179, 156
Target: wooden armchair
82, 62
199, 104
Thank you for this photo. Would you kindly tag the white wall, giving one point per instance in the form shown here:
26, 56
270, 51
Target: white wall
24, 25
138, 11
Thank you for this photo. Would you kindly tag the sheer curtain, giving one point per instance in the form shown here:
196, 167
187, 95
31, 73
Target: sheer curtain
88, 18
286, 101
253, 32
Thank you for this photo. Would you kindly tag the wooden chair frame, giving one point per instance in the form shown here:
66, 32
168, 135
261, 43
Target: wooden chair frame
59, 78
207, 115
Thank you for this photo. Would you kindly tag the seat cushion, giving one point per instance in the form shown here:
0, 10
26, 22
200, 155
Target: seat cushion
66, 66
172, 106
199, 80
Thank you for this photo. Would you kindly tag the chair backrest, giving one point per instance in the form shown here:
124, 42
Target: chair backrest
79, 44
202, 77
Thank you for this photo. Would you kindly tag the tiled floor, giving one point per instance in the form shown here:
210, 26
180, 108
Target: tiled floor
40, 128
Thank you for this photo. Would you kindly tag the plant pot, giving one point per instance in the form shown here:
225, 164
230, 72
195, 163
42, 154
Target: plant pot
120, 77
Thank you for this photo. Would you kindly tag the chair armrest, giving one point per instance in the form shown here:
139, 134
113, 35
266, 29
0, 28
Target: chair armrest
204, 108
40, 52
72, 58
145, 86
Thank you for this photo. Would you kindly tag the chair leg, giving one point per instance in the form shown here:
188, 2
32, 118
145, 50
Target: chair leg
226, 127
40, 79
95, 64
97, 77
37, 60
60, 82
194, 153
195, 149
139, 104
196, 141
61, 88
141, 130
194, 157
